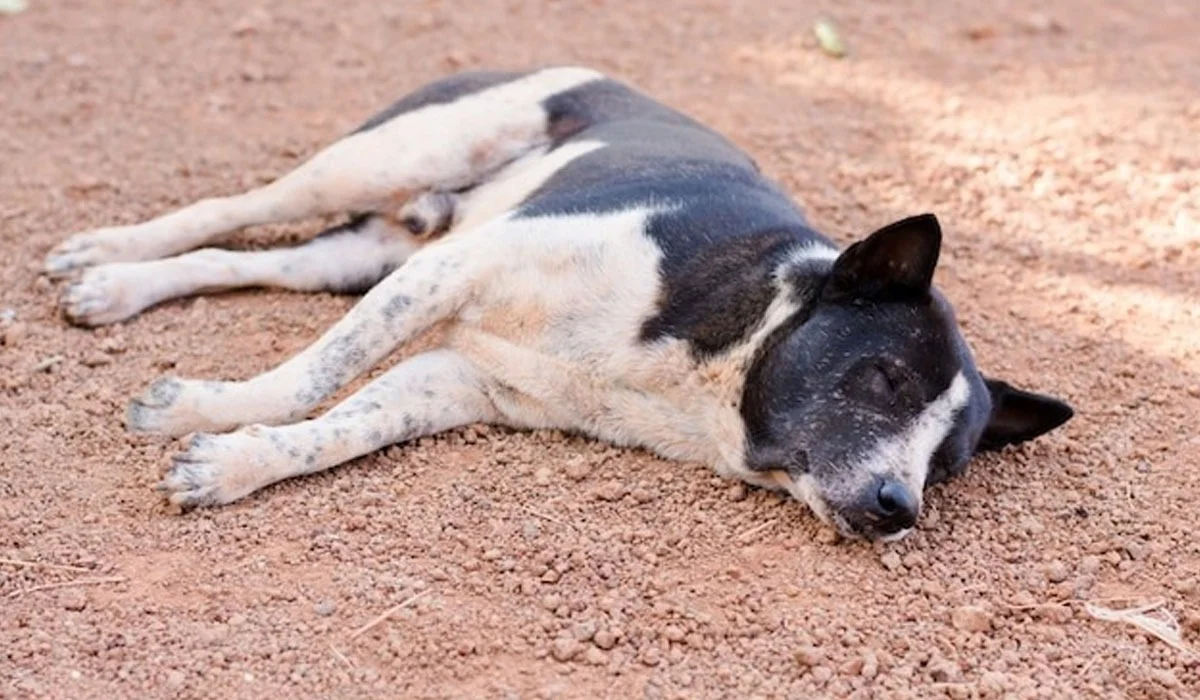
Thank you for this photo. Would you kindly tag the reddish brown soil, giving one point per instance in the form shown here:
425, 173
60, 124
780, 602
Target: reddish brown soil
1061, 151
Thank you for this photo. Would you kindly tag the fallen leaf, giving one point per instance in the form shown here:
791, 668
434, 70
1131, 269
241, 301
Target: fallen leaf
828, 38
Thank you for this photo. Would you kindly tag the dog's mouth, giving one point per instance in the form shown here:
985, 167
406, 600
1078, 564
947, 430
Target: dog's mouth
850, 522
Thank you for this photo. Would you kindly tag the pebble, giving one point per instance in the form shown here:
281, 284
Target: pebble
577, 469
96, 360
971, 618
891, 561
75, 601
325, 608
822, 674
1089, 564
541, 477
1056, 571
1165, 678
551, 576
611, 491
584, 631
176, 679
114, 345
14, 334
650, 656
565, 649
642, 495
914, 560
809, 656
605, 639
673, 633
736, 492
595, 657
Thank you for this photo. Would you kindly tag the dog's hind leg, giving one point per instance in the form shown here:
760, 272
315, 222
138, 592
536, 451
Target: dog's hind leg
424, 395
445, 144
350, 258
433, 285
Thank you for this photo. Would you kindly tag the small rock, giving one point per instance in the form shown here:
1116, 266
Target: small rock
1056, 571
821, 674
980, 32
736, 492
994, 682
650, 655
870, 667
891, 561
577, 469
612, 491
1191, 622
541, 477
551, 576
250, 23
75, 601
325, 608
809, 656
673, 633
1038, 23
1135, 550
642, 495
1089, 564
828, 535
96, 360
584, 631
594, 656
77, 60
565, 649
971, 618
176, 679
14, 334
914, 560
551, 601
1164, 678
605, 639
114, 345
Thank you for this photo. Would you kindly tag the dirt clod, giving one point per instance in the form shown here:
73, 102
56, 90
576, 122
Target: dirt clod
971, 618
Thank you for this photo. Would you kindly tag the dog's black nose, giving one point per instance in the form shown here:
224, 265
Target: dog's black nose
896, 507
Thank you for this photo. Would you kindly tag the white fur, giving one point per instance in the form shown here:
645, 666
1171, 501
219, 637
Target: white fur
905, 457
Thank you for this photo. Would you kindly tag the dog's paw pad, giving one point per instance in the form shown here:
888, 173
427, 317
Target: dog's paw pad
100, 296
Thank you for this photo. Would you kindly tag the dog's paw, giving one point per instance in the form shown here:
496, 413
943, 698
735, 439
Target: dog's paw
102, 295
213, 470
173, 407
84, 250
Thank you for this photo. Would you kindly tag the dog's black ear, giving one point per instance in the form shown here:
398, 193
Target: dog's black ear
1019, 415
895, 262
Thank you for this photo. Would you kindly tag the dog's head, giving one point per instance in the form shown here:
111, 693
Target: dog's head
873, 394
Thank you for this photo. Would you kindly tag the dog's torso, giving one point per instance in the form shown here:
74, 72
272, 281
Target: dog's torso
620, 298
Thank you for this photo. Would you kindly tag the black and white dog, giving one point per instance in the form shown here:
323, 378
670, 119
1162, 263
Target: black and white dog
600, 263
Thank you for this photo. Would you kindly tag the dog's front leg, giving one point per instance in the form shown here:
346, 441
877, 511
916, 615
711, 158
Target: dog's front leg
430, 287
424, 395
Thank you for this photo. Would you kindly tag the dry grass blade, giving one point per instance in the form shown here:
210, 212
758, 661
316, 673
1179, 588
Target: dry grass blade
44, 565
1152, 618
748, 535
387, 613
341, 656
67, 584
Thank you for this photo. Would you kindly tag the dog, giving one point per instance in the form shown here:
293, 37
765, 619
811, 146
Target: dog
600, 263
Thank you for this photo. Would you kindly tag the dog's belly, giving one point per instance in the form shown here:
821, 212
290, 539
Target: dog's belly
556, 324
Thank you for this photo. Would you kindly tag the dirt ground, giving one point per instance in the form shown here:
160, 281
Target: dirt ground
1058, 143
